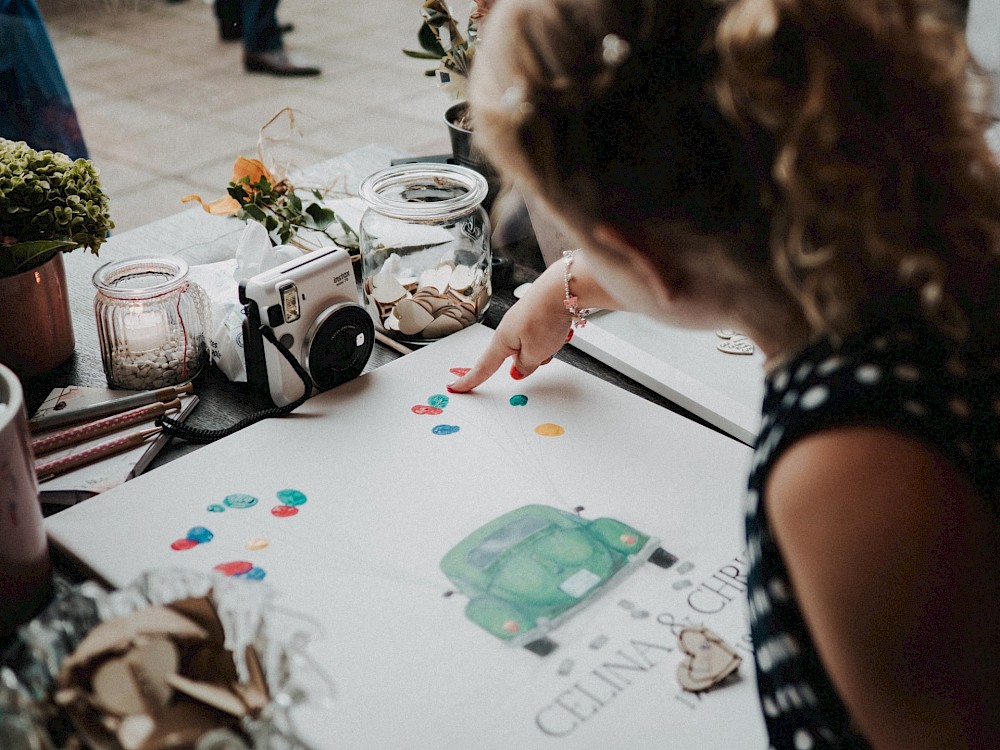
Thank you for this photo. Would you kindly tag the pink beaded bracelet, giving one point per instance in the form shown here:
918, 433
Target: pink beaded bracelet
570, 301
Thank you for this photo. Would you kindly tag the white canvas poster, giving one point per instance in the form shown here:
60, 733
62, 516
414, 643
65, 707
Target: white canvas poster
690, 367
508, 568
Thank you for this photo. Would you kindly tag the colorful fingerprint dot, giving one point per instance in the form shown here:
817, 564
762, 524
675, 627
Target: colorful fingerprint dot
519, 400
547, 429
425, 409
292, 497
254, 574
216, 508
258, 543
200, 534
234, 568
438, 400
240, 501
445, 429
195, 536
460, 371
284, 511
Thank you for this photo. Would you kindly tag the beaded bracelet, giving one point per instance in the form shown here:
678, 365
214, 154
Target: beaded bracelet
570, 301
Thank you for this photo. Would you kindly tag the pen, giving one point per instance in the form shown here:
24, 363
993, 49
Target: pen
55, 467
106, 408
53, 442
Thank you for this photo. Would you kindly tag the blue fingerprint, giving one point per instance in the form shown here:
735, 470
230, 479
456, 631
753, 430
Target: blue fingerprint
445, 429
254, 574
200, 534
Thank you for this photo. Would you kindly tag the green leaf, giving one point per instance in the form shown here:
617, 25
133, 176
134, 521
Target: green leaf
254, 212
23, 256
429, 40
321, 217
421, 55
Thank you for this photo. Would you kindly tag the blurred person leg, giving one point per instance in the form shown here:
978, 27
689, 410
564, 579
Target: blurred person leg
35, 105
229, 14
263, 50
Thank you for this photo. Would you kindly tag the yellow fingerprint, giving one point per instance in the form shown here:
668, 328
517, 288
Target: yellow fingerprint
258, 543
547, 429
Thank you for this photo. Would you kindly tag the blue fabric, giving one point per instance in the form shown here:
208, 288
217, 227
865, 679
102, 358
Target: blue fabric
35, 105
260, 26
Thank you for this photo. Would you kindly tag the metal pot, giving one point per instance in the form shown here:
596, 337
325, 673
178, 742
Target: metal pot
36, 328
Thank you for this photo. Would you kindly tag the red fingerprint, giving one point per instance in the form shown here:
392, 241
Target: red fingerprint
183, 544
460, 371
425, 409
235, 568
284, 511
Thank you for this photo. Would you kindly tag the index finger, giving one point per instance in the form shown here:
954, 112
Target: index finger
488, 363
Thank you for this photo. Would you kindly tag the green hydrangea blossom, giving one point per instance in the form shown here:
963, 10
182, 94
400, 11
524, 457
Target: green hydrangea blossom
49, 203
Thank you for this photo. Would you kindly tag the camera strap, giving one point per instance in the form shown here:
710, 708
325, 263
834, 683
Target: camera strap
174, 428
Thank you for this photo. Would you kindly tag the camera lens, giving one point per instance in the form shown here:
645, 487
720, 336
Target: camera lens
339, 344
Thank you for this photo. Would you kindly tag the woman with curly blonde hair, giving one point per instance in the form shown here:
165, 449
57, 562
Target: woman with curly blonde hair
815, 173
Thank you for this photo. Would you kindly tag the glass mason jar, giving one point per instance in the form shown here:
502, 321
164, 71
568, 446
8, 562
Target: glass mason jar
425, 250
150, 322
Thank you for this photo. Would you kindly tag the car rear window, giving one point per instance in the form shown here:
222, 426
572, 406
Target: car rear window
503, 539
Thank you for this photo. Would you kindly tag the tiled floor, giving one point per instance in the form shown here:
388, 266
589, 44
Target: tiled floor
166, 107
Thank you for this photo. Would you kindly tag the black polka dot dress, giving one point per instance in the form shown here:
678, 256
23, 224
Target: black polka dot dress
904, 377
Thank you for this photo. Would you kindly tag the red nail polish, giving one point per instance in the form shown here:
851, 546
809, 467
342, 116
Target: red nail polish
569, 336
450, 389
515, 373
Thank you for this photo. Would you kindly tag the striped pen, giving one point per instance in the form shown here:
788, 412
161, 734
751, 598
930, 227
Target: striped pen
48, 443
50, 469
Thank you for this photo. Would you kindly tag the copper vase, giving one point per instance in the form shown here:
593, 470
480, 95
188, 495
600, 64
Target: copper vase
36, 327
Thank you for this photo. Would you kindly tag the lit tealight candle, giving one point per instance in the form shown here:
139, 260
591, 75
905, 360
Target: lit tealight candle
145, 330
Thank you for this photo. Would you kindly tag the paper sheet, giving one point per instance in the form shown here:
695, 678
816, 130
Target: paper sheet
371, 495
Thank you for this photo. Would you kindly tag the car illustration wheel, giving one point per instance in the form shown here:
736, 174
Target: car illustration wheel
542, 646
662, 558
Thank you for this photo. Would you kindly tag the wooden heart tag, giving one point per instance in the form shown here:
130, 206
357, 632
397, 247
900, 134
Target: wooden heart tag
736, 346
708, 662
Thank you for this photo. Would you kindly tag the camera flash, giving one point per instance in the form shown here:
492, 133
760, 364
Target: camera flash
289, 301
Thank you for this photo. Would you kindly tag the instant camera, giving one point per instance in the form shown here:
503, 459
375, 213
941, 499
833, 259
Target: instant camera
311, 306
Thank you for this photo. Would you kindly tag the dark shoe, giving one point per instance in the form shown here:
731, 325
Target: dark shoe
276, 63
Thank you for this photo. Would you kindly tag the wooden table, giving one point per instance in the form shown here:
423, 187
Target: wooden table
198, 238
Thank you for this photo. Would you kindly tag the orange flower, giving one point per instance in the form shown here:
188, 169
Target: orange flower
254, 169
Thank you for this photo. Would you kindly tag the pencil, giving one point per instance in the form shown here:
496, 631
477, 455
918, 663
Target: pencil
394, 345
55, 467
74, 435
106, 408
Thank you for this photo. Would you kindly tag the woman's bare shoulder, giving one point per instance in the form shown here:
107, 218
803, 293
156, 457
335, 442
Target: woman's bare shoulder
892, 556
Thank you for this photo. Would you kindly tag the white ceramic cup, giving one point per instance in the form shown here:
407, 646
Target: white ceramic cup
24, 557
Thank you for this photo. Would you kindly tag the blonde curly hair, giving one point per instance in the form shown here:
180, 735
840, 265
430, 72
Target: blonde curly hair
836, 146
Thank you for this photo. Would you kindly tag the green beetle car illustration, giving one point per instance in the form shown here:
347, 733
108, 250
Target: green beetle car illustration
528, 570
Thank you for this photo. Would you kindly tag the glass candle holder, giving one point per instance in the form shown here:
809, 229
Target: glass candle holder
150, 322
425, 250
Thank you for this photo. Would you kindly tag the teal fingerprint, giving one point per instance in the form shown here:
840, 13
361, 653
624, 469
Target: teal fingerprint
519, 400
445, 429
240, 501
438, 400
291, 497
216, 508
